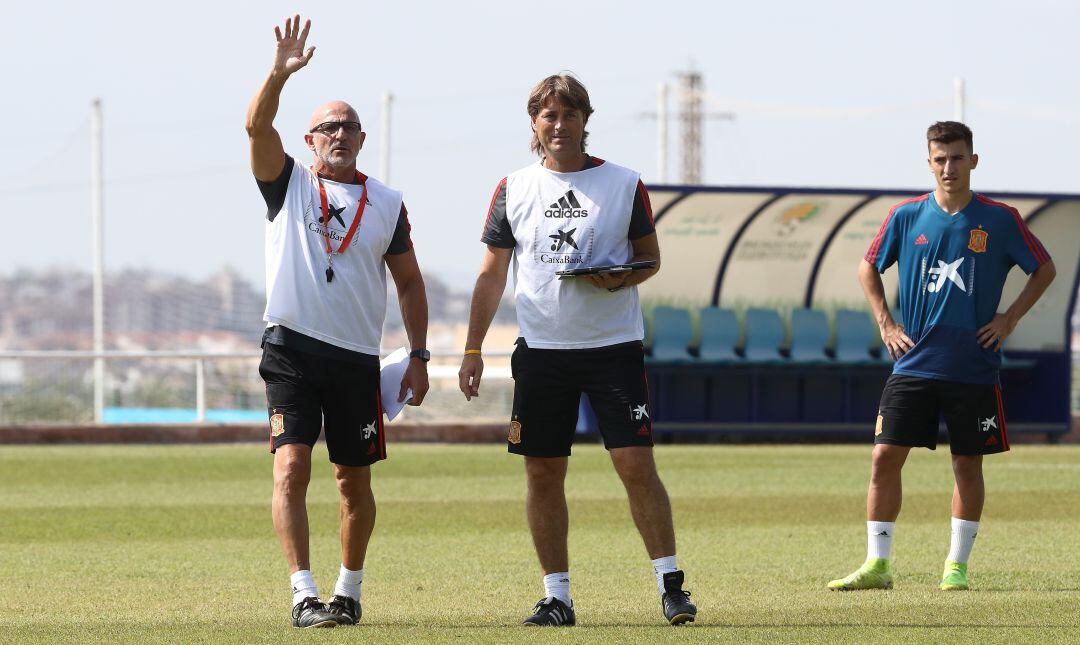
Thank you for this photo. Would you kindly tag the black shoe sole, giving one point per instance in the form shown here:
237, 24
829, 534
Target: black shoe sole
679, 619
322, 625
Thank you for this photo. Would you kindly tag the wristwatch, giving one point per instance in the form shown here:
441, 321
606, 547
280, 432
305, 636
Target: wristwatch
421, 353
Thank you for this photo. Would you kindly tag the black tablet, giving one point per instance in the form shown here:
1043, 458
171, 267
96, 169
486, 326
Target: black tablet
607, 268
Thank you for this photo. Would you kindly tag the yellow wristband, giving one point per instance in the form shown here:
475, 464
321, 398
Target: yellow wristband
471, 352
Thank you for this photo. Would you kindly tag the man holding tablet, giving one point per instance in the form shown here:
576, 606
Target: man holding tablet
578, 335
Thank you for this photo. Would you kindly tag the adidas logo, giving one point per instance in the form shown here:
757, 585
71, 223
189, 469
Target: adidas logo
644, 431
921, 240
566, 206
992, 441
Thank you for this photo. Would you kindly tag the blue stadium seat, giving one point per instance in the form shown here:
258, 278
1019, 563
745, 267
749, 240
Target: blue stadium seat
854, 336
671, 334
764, 335
719, 334
809, 335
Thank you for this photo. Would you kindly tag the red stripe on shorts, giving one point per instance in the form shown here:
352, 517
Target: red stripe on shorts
1001, 418
379, 420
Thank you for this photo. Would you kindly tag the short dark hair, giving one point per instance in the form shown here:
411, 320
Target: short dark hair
569, 91
947, 132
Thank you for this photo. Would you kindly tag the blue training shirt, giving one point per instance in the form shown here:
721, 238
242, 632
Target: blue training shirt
952, 271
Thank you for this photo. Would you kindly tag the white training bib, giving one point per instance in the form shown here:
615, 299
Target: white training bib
563, 221
349, 311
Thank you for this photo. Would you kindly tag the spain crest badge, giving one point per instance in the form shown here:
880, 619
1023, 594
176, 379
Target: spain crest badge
977, 241
277, 424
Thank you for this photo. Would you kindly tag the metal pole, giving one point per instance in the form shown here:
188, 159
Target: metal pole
98, 209
384, 155
958, 99
661, 134
200, 390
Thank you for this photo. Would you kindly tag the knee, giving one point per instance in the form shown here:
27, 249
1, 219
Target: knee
545, 471
967, 469
637, 475
353, 483
635, 466
885, 467
291, 476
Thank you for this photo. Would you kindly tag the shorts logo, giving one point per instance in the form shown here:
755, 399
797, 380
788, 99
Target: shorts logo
644, 431
640, 413
277, 424
369, 430
371, 449
877, 427
987, 424
515, 432
977, 241
991, 441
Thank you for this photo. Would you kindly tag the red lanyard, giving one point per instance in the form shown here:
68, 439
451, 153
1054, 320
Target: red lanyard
360, 179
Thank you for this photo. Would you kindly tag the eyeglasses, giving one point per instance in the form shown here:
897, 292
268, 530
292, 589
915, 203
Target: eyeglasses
330, 127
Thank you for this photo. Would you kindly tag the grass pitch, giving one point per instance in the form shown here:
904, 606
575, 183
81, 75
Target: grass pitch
175, 544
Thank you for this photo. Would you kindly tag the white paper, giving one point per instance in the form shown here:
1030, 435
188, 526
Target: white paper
391, 371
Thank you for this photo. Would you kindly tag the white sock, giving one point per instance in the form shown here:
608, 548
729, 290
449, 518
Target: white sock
558, 585
879, 537
661, 566
963, 538
303, 586
348, 583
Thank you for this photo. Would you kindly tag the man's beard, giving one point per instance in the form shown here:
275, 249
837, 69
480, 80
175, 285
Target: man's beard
334, 162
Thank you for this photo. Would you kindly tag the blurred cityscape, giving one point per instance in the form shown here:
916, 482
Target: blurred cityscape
146, 311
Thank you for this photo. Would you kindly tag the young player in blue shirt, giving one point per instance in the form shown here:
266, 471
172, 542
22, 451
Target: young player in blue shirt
954, 249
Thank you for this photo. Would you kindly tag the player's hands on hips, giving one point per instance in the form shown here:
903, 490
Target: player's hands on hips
290, 55
415, 378
992, 335
609, 281
472, 367
896, 341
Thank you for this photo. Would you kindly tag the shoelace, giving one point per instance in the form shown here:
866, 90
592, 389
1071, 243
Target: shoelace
344, 604
556, 612
543, 602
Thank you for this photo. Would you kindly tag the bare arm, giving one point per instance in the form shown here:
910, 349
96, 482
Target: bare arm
645, 248
267, 153
490, 285
412, 296
994, 333
892, 333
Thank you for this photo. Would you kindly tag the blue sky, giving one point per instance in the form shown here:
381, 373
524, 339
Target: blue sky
824, 94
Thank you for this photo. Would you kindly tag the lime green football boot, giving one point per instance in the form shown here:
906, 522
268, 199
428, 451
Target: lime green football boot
875, 573
955, 577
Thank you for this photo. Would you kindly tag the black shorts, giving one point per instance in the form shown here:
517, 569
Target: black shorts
548, 384
911, 407
305, 393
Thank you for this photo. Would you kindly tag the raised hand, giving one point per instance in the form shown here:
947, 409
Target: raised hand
290, 55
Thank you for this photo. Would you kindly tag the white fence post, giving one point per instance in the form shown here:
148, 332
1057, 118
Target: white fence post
200, 390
